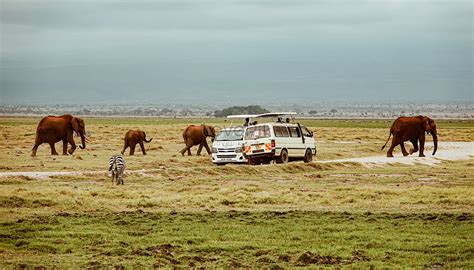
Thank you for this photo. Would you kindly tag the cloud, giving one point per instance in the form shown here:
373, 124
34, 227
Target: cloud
322, 48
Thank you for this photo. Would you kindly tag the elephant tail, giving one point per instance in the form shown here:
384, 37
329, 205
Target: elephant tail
144, 138
185, 138
387, 140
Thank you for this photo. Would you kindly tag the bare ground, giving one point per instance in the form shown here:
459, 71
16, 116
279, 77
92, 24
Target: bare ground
447, 151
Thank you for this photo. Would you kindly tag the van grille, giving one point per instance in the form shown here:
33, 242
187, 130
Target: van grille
226, 150
226, 156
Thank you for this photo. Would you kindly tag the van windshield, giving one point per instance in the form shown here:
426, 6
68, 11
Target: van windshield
257, 132
230, 135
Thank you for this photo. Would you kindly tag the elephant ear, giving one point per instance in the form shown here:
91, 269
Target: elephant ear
426, 124
204, 131
75, 124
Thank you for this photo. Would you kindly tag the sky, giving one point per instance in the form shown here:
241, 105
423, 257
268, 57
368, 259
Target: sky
235, 52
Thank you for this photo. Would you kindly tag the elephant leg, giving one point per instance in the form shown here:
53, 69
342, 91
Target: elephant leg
35, 148
415, 146
53, 149
199, 149
187, 148
404, 151
422, 145
392, 145
132, 149
125, 146
65, 147
143, 148
207, 148
73, 145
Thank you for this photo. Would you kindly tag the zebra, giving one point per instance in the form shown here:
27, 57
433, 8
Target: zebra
117, 166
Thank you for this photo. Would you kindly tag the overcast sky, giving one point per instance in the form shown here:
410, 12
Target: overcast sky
242, 52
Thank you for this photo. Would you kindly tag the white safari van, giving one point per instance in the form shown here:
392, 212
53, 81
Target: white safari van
228, 146
279, 141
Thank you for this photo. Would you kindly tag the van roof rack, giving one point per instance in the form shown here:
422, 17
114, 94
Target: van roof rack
273, 114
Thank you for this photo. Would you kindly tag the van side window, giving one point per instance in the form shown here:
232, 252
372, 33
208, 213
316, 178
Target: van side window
294, 132
256, 132
280, 131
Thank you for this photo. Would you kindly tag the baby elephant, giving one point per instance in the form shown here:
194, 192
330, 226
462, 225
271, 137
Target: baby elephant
132, 137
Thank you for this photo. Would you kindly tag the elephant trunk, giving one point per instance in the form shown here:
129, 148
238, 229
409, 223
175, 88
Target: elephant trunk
435, 141
83, 140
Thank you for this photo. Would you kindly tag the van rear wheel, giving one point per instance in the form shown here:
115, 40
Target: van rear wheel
308, 156
283, 158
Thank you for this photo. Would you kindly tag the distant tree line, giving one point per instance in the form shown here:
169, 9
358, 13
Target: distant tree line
252, 109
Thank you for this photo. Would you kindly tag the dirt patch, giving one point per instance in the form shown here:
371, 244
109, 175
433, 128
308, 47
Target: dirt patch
37, 175
366, 175
166, 249
308, 258
446, 151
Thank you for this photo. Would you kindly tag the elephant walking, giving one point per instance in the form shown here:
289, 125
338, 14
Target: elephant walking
132, 137
196, 135
52, 129
412, 129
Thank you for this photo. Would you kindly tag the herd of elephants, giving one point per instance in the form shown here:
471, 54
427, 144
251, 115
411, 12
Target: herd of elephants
52, 129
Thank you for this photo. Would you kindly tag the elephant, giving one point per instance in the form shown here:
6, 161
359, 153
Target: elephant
194, 135
52, 129
132, 137
412, 129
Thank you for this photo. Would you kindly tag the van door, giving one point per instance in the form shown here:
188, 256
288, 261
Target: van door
282, 139
296, 142
309, 139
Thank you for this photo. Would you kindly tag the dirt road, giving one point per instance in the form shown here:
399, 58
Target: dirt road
446, 151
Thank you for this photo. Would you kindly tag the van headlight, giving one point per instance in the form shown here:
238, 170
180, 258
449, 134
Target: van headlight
214, 150
239, 149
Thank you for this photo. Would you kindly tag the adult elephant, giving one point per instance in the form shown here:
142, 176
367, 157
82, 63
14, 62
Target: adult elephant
52, 129
412, 129
132, 137
197, 135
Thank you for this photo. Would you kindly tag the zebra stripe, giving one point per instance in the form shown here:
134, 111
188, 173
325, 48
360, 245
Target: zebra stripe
117, 166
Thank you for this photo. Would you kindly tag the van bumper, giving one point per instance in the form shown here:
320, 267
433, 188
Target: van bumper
239, 158
260, 155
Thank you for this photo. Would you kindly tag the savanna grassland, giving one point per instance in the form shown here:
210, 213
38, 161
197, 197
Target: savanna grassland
176, 211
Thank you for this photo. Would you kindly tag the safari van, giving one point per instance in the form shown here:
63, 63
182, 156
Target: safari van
228, 146
280, 142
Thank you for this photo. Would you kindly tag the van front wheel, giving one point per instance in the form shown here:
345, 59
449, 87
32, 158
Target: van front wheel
283, 158
308, 156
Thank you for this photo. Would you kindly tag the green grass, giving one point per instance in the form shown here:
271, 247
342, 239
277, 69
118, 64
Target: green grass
184, 211
239, 239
